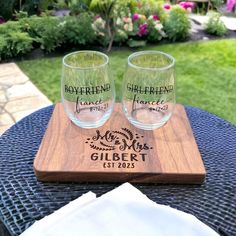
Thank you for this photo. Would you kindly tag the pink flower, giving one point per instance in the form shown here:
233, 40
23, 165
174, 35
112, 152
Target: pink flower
230, 5
186, 5
167, 6
155, 17
135, 17
142, 29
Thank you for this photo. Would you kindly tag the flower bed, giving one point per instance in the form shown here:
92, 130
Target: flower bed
106, 23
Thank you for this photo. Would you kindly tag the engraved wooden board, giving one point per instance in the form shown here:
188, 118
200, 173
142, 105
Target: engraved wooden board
119, 152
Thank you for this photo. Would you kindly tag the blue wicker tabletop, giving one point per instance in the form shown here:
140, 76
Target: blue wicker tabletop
23, 199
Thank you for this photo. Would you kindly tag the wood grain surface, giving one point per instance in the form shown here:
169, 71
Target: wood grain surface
119, 152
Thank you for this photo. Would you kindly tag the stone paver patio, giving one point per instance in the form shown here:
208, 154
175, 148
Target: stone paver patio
18, 96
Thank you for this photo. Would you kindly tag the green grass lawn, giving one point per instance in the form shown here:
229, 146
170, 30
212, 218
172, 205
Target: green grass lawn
206, 74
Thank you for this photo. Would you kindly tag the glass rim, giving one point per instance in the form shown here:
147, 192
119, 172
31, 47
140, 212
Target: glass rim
87, 67
133, 55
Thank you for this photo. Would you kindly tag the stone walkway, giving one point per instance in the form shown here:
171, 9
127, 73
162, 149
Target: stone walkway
18, 96
230, 22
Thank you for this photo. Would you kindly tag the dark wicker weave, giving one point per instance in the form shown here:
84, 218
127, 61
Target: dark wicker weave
23, 199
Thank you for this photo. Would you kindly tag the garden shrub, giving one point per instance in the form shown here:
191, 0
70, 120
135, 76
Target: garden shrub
14, 42
19, 43
9, 26
4, 53
78, 29
177, 24
143, 23
99, 26
215, 26
155, 29
150, 29
120, 36
131, 30
160, 12
21, 14
48, 31
139, 25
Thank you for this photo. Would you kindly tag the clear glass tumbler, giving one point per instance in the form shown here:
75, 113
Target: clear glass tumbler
149, 89
87, 89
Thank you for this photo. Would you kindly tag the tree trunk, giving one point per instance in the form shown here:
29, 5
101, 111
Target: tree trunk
110, 34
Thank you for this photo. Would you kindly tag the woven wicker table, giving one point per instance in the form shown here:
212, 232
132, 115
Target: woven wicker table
23, 199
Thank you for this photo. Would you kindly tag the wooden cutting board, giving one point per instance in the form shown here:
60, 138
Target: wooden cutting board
119, 152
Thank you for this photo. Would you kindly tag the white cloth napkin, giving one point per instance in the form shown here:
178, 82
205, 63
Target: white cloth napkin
124, 211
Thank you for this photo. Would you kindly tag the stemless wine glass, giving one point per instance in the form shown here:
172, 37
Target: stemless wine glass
87, 88
149, 89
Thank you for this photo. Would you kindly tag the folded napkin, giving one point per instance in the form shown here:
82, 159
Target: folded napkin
124, 211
